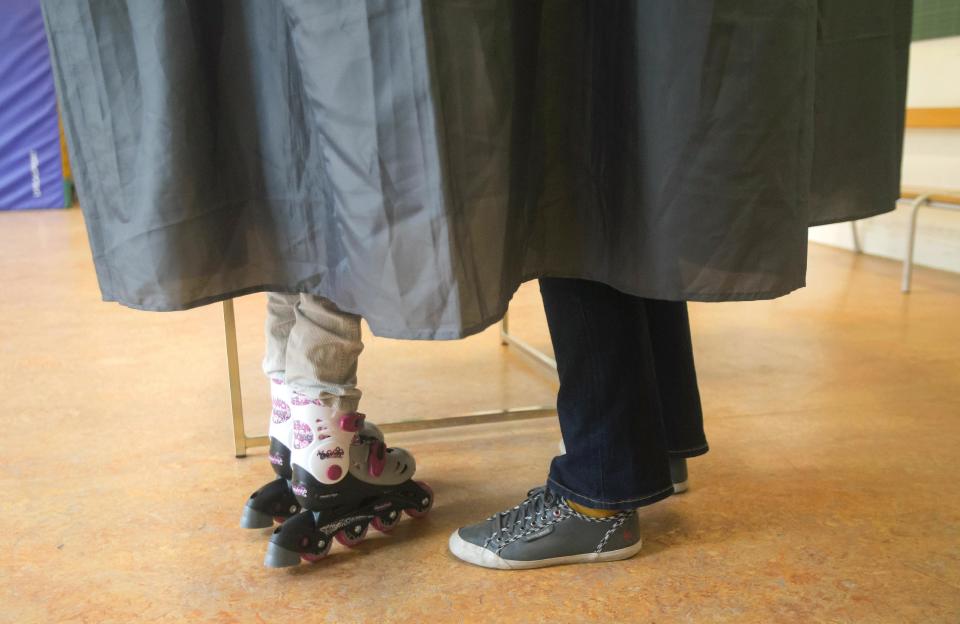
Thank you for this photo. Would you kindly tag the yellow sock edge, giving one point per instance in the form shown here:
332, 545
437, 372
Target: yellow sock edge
590, 512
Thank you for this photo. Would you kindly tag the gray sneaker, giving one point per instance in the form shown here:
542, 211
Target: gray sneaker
544, 531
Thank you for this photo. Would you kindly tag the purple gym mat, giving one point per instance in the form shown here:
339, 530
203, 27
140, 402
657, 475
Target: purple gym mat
31, 175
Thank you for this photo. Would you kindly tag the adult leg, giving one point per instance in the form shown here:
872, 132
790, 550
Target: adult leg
608, 403
669, 325
616, 457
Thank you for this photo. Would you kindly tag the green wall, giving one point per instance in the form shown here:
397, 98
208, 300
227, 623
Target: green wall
936, 18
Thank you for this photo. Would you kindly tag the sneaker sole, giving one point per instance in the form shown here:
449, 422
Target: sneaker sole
471, 553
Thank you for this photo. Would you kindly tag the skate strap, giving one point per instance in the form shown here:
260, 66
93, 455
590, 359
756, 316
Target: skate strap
377, 458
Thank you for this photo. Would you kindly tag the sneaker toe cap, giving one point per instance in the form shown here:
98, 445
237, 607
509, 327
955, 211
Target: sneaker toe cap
474, 553
477, 533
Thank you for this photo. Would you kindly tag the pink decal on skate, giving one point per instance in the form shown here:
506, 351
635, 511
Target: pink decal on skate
277, 381
275, 459
302, 399
299, 489
336, 453
334, 472
377, 459
302, 434
352, 422
281, 411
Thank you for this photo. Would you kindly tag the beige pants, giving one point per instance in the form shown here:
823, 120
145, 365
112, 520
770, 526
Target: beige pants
314, 348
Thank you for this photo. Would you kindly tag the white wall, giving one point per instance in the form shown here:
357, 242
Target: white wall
930, 158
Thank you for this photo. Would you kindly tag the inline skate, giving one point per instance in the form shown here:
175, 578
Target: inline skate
274, 501
345, 483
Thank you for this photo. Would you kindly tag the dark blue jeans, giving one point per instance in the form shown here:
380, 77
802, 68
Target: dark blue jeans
628, 393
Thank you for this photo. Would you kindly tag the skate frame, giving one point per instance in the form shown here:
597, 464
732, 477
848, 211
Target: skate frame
242, 441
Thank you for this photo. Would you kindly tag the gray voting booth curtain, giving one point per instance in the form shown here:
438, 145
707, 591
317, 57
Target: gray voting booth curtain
415, 160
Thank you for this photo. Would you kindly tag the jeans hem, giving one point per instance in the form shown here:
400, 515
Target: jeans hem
630, 503
691, 452
345, 404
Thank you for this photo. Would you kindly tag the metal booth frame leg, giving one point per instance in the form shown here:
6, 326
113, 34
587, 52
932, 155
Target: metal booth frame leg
915, 207
857, 247
243, 442
508, 339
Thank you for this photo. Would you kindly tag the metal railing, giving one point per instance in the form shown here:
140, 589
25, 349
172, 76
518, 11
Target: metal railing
243, 442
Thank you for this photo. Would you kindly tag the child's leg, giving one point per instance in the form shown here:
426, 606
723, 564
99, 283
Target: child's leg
275, 500
321, 353
343, 479
279, 323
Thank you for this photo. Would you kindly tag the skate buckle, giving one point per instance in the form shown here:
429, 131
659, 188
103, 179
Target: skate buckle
352, 422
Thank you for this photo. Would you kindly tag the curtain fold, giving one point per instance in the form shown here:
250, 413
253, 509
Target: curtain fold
414, 161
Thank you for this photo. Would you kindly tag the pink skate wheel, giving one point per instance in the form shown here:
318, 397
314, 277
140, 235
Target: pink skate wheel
324, 550
386, 525
425, 505
352, 535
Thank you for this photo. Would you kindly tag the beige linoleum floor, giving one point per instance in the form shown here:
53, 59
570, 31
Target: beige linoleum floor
830, 495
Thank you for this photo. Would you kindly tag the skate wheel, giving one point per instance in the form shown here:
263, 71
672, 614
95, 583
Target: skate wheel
425, 504
352, 535
292, 510
387, 523
323, 549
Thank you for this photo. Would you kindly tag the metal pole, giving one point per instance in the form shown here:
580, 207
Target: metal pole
508, 339
233, 375
911, 237
857, 247
243, 442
